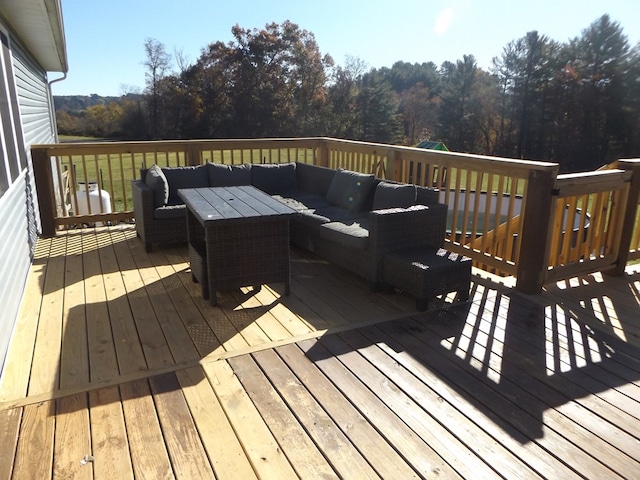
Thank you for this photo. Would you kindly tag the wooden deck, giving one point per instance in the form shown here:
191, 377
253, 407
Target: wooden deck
118, 369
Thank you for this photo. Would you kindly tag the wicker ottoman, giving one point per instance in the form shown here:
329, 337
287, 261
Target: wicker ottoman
428, 272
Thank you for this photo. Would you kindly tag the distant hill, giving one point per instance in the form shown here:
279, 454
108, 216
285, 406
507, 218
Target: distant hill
79, 103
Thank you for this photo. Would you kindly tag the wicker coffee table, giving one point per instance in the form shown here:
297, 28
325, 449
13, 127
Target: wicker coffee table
238, 237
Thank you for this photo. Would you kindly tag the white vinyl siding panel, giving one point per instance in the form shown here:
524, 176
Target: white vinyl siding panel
16, 244
19, 216
34, 101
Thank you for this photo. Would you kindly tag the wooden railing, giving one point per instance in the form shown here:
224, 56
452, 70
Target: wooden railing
512, 217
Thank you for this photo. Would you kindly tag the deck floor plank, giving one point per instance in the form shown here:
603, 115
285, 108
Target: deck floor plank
185, 305
300, 450
188, 456
45, 374
129, 351
558, 390
178, 339
118, 360
294, 324
418, 437
154, 344
34, 454
258, 442
72, 438
103, 361
15, 377
518, 406
209, 326
595, 388
110, 445
225, 452
260, 315
469, 450
387, 460
9, 433
74, 354
344, 457
148, 451
446, 404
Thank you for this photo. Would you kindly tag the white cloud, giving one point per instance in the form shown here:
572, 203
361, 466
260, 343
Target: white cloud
444, 20
450, 13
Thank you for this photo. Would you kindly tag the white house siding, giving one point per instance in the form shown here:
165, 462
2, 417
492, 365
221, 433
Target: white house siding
19, 217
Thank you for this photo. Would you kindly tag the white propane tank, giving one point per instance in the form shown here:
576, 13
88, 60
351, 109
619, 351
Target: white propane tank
99, 200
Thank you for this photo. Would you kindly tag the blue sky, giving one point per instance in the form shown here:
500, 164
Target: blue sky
105, 37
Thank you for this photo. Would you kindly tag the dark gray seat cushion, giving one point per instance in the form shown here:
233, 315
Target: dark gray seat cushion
353, 234
394, 195
310, 220
339, 214
185, 177
274, 178
350, 189
156, 181
229, 175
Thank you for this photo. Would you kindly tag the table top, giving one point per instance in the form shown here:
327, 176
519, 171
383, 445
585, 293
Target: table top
229, 204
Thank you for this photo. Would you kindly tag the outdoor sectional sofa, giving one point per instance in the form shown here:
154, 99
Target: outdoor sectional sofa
349, 218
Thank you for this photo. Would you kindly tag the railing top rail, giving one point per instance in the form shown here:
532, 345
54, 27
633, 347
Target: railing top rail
461, 159
457, 157
571, 184
77, 148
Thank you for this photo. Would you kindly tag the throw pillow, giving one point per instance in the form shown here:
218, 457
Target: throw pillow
229, 175
350, 189
274, 178
156, 180
394, 195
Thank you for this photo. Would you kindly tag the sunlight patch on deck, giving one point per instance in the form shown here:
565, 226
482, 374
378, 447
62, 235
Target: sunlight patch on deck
569, 345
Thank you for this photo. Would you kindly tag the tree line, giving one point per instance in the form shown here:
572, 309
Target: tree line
576, 103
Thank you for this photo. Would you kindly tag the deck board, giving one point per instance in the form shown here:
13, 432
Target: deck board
118, 368
227, 457
149, 455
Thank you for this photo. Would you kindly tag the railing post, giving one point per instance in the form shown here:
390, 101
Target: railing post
536, 231
393, 166
193, 154
628, 216
44, 189
323, 153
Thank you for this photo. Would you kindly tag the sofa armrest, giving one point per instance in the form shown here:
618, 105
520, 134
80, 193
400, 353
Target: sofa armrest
142, 197
402, 228
142, 206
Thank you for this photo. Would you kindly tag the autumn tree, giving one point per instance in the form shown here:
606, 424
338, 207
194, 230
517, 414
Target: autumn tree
157, 64
341, 109
419, 111
377, 111
456, 126
273, 80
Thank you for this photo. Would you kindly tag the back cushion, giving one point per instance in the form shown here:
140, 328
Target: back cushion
350, 189
184, 177
394, 195
274, 178
313, 178
155, 179
228, 175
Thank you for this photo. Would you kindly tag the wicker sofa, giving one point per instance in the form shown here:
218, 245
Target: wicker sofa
348, 218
